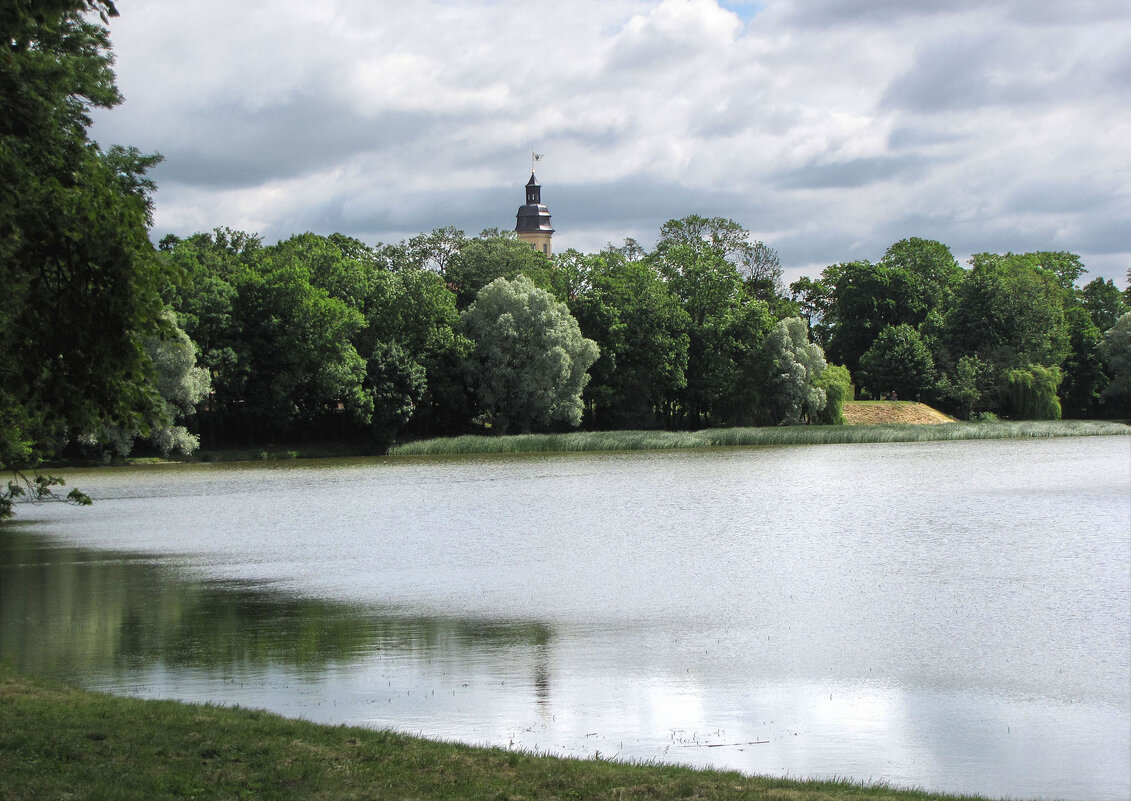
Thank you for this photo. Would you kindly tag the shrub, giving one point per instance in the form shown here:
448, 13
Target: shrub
837, 384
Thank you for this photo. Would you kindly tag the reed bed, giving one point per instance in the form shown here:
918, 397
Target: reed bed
586, 441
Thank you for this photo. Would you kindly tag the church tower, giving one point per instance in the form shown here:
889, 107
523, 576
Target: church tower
533, 224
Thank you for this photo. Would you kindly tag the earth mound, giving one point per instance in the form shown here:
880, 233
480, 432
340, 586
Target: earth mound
864, 413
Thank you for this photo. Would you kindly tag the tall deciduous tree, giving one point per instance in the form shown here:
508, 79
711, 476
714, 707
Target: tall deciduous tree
1116, 350
702, 261
79, 279
493, 254
530, 361
1084, 377
1009, 311
1103, 301
897, 361
642, 333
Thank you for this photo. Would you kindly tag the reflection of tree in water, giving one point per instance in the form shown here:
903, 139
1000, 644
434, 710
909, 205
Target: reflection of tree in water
68, 611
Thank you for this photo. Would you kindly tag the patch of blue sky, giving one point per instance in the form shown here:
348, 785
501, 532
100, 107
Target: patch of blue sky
745, 9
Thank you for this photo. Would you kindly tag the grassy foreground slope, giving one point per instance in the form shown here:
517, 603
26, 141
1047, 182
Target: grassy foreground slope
60, 742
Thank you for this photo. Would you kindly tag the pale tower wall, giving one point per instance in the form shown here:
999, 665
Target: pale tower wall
533, 219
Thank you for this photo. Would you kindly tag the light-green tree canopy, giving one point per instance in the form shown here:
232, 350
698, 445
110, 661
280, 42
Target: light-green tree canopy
530, 361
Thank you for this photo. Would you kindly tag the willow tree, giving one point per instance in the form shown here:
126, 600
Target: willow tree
795, 366
530, 361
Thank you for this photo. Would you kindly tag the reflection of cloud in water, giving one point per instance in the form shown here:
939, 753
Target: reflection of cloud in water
677, 708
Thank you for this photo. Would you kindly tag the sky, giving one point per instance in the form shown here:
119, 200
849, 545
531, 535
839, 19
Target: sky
828, 128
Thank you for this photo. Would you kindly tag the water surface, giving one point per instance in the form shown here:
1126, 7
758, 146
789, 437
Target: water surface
955, 616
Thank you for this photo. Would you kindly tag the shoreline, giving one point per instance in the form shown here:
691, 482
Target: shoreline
59, 740
629, 440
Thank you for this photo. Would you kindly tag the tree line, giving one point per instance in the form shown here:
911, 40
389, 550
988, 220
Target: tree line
444, 333
110, 341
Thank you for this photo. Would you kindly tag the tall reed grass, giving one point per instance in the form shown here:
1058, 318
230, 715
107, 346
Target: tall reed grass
580, 441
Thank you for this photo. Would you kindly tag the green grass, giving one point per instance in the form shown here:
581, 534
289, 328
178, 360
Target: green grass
60, 742
733, 437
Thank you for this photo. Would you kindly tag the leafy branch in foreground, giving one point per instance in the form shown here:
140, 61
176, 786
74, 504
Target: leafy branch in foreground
36, 489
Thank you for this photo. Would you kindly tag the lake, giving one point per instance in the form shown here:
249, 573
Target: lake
949, 615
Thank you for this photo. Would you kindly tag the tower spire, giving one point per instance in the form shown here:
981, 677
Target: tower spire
533, 218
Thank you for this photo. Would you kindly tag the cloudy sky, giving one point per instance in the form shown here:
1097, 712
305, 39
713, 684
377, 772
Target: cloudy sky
829, 128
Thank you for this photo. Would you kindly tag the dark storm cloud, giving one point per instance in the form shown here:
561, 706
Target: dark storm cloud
912, 137
1104, 235
1004, 68
1077, 12
852, 173
823, 244
235, 146
471, 211
1057, 197
956, 73
1100, 235
833, 13
632, 203
965, 236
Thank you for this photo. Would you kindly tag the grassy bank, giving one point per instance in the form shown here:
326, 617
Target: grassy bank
59, 742
729, 437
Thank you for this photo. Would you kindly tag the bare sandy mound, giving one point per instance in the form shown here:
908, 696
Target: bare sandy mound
863, 413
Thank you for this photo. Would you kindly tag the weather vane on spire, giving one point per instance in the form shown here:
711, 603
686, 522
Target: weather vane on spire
533, 158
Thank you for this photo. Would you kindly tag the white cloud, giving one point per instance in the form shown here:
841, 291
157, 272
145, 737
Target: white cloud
830, 129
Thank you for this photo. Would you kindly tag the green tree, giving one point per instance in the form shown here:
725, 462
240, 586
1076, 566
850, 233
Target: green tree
1084, 377
17, 16
897, 361
295, 353
413, 309
1103, 301
814, 301
641, 331
795, 368
867, 298
182, 386
836, 381
494, 254
395, 385
1116, 350
530, 359
701, 260
340, 265
80, 278
961, 390
937, 273
434, 251
1031, 392
855, 301
757, 264
1009, 312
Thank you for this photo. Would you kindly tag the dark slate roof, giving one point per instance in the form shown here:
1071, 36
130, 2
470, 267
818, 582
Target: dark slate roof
534, 217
